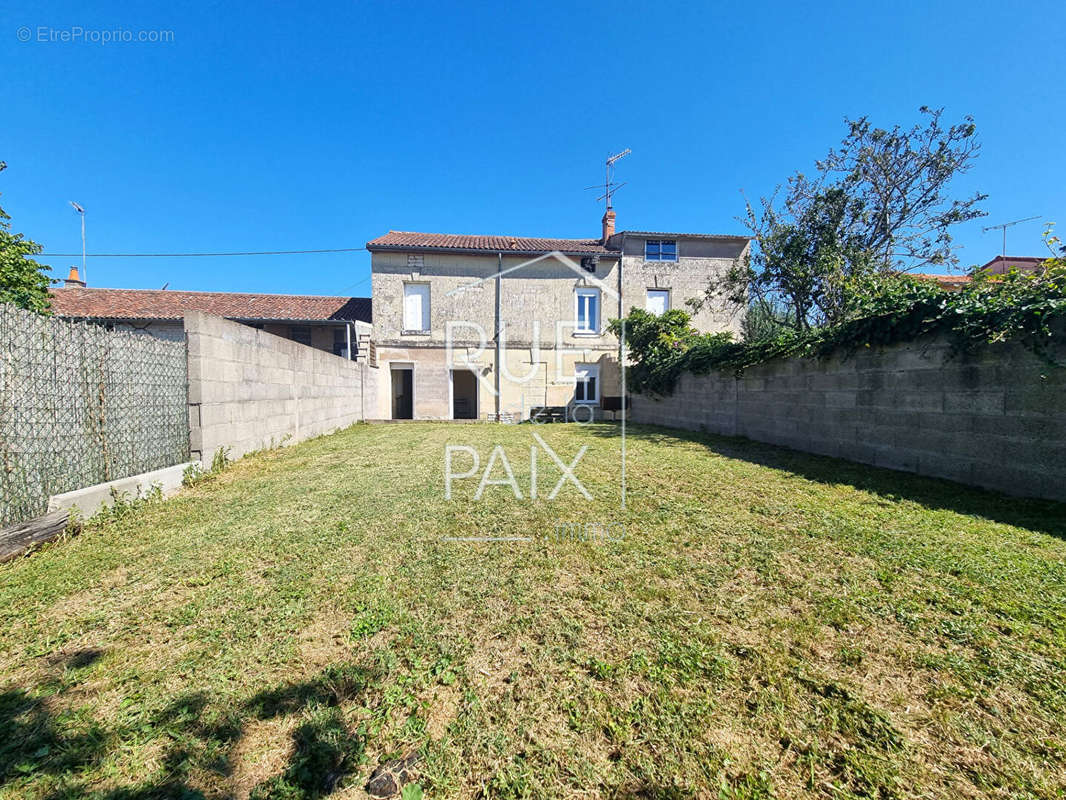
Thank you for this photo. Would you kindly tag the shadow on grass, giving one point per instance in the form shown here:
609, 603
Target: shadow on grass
197, 738
1045, 516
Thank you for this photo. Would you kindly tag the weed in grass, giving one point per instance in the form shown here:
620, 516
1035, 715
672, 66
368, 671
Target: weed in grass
369, 619
748, 786
850, 655
772, 624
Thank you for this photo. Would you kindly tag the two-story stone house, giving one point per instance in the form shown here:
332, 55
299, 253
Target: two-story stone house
486, 327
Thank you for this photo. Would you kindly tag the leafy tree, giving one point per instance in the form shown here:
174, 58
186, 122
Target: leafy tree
655, 343
878, 309
878, 203
767, 317
23, 281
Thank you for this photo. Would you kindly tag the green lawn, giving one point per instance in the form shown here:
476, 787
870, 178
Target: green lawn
769, 625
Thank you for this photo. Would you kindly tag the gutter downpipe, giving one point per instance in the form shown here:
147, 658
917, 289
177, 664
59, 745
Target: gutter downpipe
499, 350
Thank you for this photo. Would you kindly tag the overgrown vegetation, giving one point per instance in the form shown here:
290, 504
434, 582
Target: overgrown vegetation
23, 281
195, 473
876, 310
878, 203
771, 625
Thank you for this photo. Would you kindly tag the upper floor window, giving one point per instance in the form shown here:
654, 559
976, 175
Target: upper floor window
658, 301
660, 250
588, 311
416, 307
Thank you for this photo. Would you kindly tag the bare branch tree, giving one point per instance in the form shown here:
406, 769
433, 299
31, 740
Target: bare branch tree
878, 203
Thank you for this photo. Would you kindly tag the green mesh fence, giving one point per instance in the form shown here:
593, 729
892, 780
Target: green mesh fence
81, 405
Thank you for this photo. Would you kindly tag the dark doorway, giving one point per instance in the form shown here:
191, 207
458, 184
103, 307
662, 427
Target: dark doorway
464, 394
403, 393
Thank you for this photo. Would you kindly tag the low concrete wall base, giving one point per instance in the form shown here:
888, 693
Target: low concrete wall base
92, 498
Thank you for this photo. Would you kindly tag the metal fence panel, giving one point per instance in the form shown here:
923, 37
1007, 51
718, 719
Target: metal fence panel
81, 405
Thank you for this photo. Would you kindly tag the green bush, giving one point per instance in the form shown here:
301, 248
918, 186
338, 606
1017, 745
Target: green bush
880, 310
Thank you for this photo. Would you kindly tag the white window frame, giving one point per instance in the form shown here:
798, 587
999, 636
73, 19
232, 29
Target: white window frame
656, 290
595, 329
425, 322
582, 373
660, 242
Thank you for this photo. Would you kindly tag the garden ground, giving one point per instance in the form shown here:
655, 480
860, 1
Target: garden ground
770, 624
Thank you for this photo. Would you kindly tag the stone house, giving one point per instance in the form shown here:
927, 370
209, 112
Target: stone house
490, 327
334, 324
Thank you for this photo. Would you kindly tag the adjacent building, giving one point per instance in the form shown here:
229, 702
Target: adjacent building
468, 327
1000, 265
493, 327
334, 324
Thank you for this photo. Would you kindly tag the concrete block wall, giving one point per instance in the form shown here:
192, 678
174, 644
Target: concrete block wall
995, 419
249, 389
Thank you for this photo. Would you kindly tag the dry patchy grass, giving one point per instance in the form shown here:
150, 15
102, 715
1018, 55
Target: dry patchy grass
771, 624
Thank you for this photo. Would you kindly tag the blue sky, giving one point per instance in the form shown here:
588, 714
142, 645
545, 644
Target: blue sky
299, 128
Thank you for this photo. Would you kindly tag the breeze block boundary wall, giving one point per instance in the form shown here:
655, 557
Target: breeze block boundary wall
995, 418
249, 390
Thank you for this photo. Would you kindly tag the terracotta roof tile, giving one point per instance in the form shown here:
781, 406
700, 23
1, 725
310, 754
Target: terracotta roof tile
166, 304
945, 281
398, 240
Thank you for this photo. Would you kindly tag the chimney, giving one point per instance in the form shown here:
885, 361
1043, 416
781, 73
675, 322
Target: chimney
73, 280
608, 224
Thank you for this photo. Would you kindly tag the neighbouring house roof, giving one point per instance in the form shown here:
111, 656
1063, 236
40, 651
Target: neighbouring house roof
1001, 264
410, 240
160, 304
945, 281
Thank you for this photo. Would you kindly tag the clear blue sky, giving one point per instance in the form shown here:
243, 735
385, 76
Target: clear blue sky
325, 127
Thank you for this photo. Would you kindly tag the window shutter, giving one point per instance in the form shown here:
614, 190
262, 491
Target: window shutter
416, 307
657, 301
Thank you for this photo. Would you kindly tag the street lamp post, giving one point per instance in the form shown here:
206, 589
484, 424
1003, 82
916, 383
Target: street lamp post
81, 213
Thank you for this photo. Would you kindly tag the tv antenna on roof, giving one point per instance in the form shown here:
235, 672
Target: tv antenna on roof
609, 186
1004, 227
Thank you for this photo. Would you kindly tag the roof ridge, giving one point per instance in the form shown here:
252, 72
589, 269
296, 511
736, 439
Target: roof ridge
498, 236
201, 291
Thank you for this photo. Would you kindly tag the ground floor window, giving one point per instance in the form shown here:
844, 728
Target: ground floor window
588, 379
340, 342
301, 334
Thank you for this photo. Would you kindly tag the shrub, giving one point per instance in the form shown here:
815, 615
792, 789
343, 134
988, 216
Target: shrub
881, 310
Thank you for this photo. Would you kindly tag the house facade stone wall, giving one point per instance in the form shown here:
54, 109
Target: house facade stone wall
700, 262
533, 300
